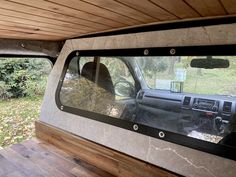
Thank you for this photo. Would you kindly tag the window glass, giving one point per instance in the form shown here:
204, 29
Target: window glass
99, 86
159, 72
120, 76
194, 96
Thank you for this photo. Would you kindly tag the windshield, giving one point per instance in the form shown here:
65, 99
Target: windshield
174, 73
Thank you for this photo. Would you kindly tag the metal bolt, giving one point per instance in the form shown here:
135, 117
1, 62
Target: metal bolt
135, 127
62, 107
172, 51
146, 52
161, 134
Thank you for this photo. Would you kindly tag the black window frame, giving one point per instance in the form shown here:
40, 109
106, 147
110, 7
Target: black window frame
214, 50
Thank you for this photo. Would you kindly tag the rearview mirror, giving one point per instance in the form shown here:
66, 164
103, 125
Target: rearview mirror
209, 63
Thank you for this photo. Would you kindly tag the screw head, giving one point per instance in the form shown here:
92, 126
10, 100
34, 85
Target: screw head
146, 52
62, 107
161, 134
172, 51
135, 127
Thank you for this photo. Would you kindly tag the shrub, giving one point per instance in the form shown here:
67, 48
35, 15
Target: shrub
20, 77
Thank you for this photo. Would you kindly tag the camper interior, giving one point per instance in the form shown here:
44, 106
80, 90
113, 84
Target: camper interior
137, 88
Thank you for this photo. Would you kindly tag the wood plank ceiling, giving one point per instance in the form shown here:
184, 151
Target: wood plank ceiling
63, 19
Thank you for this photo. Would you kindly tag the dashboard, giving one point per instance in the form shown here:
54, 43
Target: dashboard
220, 105
212, 113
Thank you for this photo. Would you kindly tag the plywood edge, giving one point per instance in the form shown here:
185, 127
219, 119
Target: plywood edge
100, 156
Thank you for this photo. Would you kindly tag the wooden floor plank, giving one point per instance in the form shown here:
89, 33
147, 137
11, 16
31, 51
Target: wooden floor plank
47, 158
6, 167
65, 160
23, 163
36, 158
44, 160
102, 157
15, 174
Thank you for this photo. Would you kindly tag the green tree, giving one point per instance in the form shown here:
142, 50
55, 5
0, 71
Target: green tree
21, 77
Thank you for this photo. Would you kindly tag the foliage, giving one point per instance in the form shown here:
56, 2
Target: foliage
151, 65
17, 119
202, 81
20, 77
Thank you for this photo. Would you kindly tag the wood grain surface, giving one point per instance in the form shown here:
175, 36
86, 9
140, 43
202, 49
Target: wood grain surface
63, 19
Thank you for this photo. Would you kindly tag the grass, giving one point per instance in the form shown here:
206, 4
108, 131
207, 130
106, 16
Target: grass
210, 81
17, 117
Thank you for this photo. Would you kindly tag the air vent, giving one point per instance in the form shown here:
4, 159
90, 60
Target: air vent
227, 107
186, 101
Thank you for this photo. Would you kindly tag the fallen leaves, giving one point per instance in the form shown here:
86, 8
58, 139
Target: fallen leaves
17, 117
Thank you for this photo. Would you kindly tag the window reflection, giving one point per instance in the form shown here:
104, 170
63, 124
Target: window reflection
160, 92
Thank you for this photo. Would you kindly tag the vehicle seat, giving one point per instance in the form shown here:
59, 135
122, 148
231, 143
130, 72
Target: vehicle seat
104, 79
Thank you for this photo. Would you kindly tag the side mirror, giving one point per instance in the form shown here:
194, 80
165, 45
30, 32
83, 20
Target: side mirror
124, 89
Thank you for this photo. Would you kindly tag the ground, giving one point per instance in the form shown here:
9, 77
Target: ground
17, 117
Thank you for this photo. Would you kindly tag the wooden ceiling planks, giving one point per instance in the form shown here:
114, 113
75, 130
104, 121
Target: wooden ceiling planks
96, 10
177, 7
207, 7
39, 29
230, 6
63, 19
54, 7
150, 8
38, 11
67, 25
12, 34
28, 30
121, 8
37, 23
